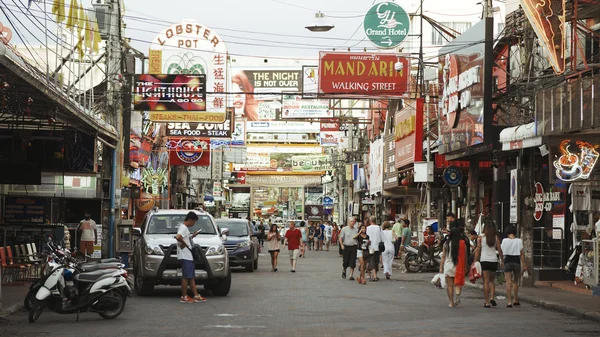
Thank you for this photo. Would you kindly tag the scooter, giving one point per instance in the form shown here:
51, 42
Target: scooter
414, 264
68, 290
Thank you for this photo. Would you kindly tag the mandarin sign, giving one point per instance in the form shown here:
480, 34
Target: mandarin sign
362, 74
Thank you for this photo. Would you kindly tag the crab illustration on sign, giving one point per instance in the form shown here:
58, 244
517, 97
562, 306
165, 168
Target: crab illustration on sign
155, 180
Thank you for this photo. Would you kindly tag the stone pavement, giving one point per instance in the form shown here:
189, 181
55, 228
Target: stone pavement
566, 302
315, 301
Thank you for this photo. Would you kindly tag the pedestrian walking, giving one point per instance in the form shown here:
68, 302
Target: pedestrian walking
514, 264
293, 239
374, 233
364, 245
304, 232
186, 259
397, 229
406, 237
89, 235
348, 245
388, 238
335, 235
311, 235
318, 239
328, 233
488, 249
273, 239
261, 234
454, 259
340, 246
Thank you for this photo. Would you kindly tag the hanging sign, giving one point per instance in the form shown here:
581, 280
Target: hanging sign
570, 166
169, 92
386, 24
514, 190
543, 201
189, 151
453, 176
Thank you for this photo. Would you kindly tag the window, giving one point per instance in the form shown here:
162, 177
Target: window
438, 38
169, 224
236, 227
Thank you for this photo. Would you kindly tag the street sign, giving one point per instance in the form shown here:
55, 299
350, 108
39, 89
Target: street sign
386, 24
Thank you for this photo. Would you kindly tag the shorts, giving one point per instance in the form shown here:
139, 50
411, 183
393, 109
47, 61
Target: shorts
327, 239
374, 261
86, 247
188, 269
316, 239
359, 253
294, 254
489, 266
273, 251
512, 267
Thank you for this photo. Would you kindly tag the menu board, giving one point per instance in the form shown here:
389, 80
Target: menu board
24, 210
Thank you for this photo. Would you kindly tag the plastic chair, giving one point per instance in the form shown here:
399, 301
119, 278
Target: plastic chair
10, 272
16, 261
33, 257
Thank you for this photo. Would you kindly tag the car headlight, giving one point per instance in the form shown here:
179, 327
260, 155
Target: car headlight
215, 250
244, 244
153, 250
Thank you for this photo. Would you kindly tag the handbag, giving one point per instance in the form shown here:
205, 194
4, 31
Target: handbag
475, 272
195, 252
381, 247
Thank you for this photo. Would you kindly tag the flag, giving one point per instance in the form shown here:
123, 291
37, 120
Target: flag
79, 47
89, 34
81, 18
97, 38
72, 18
58, 8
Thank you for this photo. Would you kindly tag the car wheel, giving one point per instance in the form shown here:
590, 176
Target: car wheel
142, 286
223, 286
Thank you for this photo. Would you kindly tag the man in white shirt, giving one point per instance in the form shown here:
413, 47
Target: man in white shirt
328, 233
374, 233
89, 235
185, 256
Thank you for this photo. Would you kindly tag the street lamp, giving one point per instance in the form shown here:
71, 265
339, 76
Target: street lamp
320, 24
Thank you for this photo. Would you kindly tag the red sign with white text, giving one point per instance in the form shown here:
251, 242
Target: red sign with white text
409, 134
195, 152
361, 74
331, 124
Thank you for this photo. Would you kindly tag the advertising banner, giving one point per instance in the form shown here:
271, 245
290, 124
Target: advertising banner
312, 163
258, 92
333, 138
25, 210
310, 81
461, 118
514, 193
362, 74
390, 174
169, 92
294, 106
266, 161
376, 167
409, 134
332, 124
194, 152
193, 49
282, 126
203, 130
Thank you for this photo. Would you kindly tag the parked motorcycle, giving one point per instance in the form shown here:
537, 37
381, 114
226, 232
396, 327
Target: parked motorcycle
67, 289
414, 264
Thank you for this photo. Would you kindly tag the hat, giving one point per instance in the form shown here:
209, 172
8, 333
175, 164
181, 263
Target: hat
450, 214
473, 232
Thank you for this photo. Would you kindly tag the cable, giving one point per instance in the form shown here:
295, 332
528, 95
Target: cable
25, 42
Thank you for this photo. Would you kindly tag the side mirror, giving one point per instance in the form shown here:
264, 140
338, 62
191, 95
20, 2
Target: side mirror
224, 233
136, 231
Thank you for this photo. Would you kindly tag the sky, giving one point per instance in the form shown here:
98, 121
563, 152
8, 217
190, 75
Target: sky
265, 27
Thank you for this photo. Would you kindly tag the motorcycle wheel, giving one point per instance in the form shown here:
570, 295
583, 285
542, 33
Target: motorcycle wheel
35, 311
412, 264
112, 314
28, 302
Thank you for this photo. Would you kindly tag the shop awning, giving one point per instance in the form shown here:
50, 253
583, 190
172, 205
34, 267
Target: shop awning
520, 137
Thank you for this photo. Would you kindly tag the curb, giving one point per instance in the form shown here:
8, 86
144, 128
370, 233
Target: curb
11, 310
553, 306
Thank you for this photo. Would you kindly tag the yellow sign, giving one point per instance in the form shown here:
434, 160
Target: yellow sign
188, 116
155, 62
405, 127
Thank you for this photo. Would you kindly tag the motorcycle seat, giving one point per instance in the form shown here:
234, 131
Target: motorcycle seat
87, 267
111, 260
93, 276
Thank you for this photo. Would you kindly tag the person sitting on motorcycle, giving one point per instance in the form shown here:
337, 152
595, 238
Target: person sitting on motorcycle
428, 244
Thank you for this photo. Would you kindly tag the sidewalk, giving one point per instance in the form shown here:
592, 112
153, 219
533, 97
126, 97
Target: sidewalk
12, 298
580, 304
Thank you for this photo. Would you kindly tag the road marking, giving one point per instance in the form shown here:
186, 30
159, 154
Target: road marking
229, 326
235, 315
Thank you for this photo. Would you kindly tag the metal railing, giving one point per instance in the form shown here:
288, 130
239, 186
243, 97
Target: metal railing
548, 249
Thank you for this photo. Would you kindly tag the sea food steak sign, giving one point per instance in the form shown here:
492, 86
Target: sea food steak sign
543, 201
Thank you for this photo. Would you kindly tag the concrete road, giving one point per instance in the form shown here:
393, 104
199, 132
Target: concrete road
315, 301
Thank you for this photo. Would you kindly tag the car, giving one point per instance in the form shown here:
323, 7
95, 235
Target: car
155, 253
241, 243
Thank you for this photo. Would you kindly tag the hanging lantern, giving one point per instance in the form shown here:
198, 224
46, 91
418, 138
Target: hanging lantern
405, 182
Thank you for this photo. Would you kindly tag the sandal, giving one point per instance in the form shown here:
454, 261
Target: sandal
509, 305
493, 302
487, 306
344, 274
364, 281
517, 303
359, 280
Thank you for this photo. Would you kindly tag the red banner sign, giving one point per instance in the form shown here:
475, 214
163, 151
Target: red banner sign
362, 74
331, 124
194, 152
409, 134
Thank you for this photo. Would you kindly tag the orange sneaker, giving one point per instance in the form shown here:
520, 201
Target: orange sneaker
199, 298
186, 299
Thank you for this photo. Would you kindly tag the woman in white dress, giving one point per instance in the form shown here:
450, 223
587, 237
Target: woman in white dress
388, 237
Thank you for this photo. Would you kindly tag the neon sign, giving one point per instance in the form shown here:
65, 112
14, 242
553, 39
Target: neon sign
187, 150
570, 166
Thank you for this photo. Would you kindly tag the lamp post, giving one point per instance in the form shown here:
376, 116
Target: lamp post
320, 24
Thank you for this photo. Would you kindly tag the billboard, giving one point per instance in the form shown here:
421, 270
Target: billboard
376, 167
169, 92
461, 113
408, 135
362, 74
203, 130
195, 152
311, 163
333, 138
192, 49
294, 106
257, 93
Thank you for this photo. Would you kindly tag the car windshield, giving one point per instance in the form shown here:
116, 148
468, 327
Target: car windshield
236, 228
169, 224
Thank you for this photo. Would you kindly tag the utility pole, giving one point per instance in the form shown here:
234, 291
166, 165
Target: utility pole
114, 81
